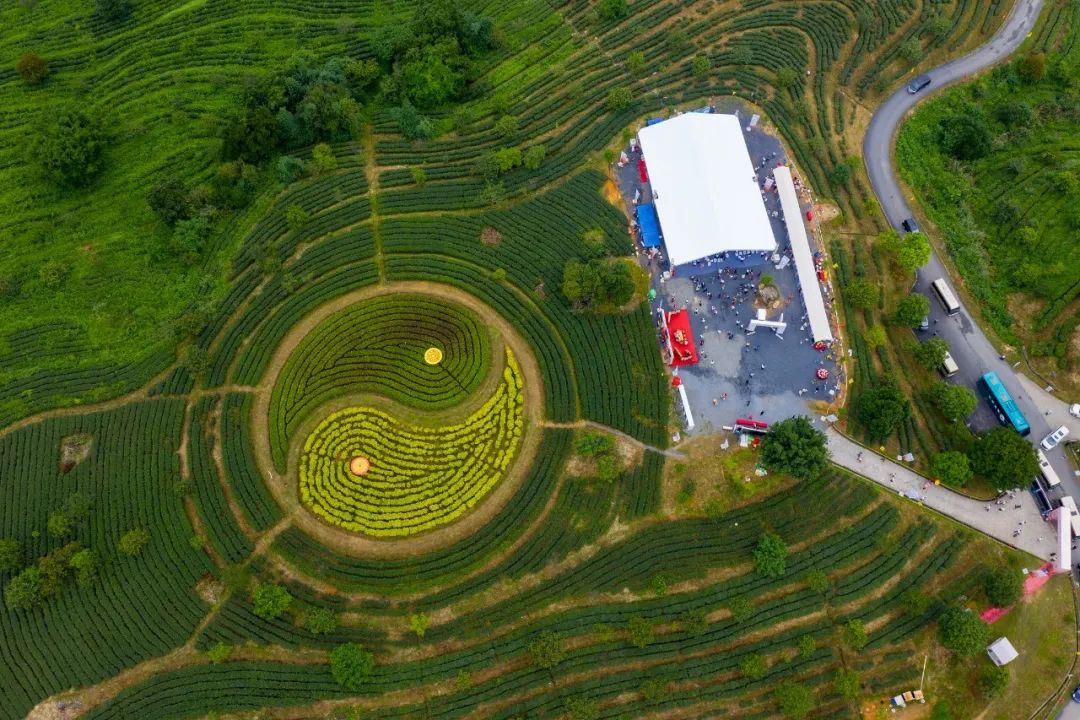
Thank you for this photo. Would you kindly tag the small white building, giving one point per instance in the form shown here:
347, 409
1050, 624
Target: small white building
1002, 652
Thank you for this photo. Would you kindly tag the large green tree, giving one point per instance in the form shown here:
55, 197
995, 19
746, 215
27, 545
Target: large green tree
954, 401
882, 409
963, 631
966, 134
951, 467
931, 354
70, 148
796, 701
1003, 586
911, 310
795, 447
1004, 459
350, 665
770, 556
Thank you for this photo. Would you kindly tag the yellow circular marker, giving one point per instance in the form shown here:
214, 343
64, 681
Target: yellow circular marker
433, 356
359, 466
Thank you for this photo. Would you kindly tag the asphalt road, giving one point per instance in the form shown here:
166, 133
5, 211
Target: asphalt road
968, 345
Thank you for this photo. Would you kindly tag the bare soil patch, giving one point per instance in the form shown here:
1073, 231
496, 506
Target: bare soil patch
490, 236
73, 450
210, 589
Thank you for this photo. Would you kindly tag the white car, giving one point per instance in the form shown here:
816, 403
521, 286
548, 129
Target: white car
1051, 441
1074, 410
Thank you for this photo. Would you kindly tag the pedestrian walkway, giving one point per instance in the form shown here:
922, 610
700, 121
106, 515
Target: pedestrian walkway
1037, 536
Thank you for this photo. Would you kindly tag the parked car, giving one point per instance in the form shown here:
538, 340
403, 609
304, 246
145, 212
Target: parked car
1074, 410
910, 225
1076, 692
1051, 441
918, 84
925, 324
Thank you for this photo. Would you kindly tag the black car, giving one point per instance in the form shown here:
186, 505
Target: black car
918, 84
910, 225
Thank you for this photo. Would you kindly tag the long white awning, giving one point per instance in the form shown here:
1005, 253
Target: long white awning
804, 257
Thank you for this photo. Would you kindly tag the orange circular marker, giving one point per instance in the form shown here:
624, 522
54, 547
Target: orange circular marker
359, 466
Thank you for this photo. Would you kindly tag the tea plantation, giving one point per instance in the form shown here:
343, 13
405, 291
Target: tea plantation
311, 431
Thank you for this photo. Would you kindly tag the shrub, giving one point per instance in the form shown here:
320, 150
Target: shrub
1031, 67
619, 98
635, 62
817, 581
855, 635
861, 293
296, 217
219, 653
965, 135
32, 68
915, 602
24, 590
534, 157
993, 681
641, 631
350, 665
597, 284
411, 123
290, 169
754, 667
133, 541
954, 401
506, 126
418, 623
701, 67
875, 336
59, 524
612, 9
882, 409
322, 158
419, 175
169, 201
796, 701
847, 684
320, 621
807, 646
741, 609
10, 555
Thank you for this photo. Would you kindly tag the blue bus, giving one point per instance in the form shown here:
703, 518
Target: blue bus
1002, 403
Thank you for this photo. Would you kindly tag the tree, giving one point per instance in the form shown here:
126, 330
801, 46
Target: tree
641, 631
169, 201
807, 646
10, 555
547, 650
796, 701
189, 239
32, 68
296, 217
320, 621
882, 409
506, 126
581, 708
24, 590
1003, 586
847, 684
741, 609
963, 632
250, 134
840, 175
270, 601
861, 293
912, 50
786, 77
931, 354
701, 67
993, 681
290, 169
855, 634
133, 541
911, 251
635, 62
612, 9
534, 157
965, 135
795, 447
915, 602
875, 336
619, 98
954, 401
1031, 67
754, 667
70, 148
59, 524
817, 581
430, 76
56, 568
234, 184
597, 284
1004, 458
350, 665
322, 158
770, 556
85, 565
694, 622
911, 310
506, 159
419, 175
418, 623
951, 467
411, 122
112, 11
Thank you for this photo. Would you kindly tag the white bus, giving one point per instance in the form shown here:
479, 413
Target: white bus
945, 295
1051, 477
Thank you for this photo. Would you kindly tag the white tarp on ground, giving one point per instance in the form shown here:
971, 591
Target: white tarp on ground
804, 257
705, 191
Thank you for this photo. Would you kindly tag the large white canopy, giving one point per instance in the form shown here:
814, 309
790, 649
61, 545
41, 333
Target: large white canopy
804, 257
705, 191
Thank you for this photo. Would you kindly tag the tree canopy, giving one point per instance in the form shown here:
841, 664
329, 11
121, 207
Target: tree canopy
70, 148
966, 134
882, 409
951, 467
270, 601
861, 293
954, 401
911, 310
597, 284
350, 665
796, 701
963, 632
770, 556
795, 447
1003, 586
1004, 458
931, 353
910, 250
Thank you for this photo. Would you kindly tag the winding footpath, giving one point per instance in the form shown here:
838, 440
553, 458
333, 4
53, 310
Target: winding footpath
968, 344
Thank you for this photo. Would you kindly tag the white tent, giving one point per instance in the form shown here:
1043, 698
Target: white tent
1002, 652
804, 258
704, 187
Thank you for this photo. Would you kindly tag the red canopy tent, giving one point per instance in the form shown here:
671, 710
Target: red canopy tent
681, 339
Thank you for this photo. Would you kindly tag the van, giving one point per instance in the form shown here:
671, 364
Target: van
910, 225
948, 366
918, 84
1048, 473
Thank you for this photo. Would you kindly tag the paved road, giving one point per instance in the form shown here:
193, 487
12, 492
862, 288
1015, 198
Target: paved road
998, 521
968, 345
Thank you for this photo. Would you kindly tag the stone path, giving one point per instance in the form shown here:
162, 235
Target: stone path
999, 521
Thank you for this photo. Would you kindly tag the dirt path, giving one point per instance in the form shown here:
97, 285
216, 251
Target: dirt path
618, 433
284, 486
